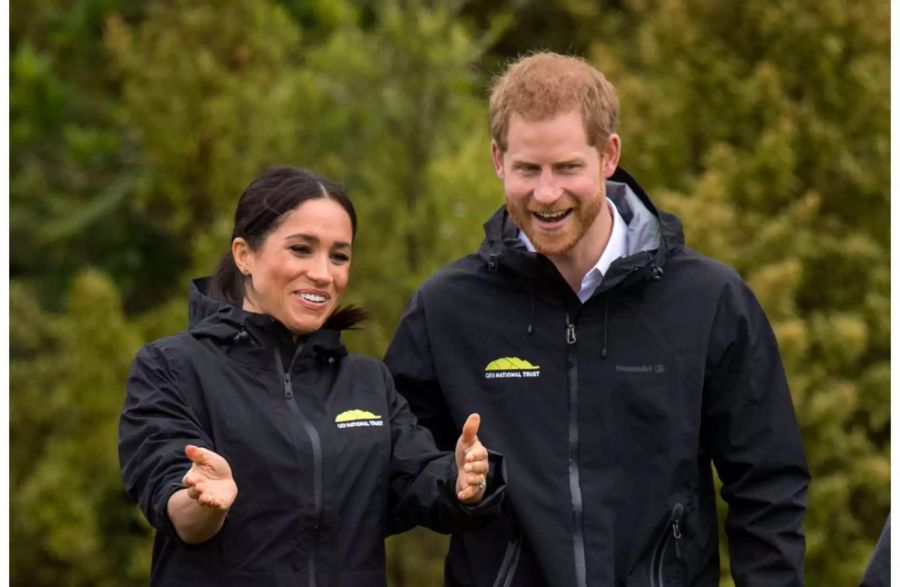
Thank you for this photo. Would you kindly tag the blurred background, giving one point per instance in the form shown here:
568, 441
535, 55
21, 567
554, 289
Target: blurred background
135, 126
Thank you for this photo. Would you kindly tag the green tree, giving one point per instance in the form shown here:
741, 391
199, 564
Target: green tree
71, 524
72, 164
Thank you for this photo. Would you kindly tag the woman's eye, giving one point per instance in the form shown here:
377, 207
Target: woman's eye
340, 257
301, 250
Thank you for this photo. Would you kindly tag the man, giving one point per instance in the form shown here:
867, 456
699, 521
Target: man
615, 363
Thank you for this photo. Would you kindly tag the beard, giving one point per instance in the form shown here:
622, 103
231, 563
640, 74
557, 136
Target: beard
558, 242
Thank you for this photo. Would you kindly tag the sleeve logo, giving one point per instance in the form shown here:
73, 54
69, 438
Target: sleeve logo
511, 367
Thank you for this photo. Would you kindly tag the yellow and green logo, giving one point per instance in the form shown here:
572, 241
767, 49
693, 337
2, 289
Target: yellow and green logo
357, 419
511, 367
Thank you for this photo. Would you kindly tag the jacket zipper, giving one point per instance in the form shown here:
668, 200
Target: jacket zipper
318, 469
509, 563
574, 471
671, 532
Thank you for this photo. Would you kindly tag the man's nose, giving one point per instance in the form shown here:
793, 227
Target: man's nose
548, 189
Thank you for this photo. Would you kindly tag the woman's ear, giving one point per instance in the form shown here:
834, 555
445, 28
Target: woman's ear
243, 256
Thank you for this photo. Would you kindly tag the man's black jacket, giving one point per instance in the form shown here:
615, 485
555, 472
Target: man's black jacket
610, 412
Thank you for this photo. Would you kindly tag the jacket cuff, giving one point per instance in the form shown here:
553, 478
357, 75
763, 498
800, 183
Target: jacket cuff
163, 524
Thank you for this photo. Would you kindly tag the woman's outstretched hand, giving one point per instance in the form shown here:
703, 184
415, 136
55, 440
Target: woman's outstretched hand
209, 481
472, 463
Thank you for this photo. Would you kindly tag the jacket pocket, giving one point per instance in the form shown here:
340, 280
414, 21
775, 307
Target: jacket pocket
667, 561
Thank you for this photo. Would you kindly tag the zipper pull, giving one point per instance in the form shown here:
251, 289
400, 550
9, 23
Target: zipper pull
676, 529
570, 332
288, 391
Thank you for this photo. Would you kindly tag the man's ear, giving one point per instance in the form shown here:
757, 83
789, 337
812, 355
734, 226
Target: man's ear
243, 255
609, 157
497, 158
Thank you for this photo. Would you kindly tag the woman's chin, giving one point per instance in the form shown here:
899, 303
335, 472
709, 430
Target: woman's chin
305, 325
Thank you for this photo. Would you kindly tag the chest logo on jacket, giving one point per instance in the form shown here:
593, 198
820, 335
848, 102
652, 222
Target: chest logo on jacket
657, 369
511, 367
357, 419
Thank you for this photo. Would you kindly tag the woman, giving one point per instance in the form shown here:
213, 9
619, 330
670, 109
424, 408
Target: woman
260, 450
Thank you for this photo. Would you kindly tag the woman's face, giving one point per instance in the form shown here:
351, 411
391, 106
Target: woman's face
301, 270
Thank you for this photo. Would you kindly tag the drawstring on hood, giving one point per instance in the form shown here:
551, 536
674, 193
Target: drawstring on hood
605, 324
240, 336
493, 262
531, 316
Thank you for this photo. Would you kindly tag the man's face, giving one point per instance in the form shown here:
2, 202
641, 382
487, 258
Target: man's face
554, 181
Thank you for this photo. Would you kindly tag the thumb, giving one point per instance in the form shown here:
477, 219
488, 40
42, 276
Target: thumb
196, 454
470, 430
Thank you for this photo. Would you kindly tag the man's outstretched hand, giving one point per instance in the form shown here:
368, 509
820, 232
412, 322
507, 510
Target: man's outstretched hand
472, 463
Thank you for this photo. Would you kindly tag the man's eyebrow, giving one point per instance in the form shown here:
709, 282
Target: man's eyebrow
313, 239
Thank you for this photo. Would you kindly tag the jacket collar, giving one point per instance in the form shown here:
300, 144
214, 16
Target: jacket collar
211, 318
652, 236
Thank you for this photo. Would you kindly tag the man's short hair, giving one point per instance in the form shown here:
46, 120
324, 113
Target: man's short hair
543, 85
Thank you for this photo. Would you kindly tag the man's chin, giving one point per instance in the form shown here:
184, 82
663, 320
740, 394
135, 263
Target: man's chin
551, 247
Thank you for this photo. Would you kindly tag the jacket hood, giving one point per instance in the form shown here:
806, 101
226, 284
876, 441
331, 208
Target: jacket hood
217, 319
651, 235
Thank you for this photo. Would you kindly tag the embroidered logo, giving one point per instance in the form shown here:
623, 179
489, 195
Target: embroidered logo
357, 419
511, 367
657, 369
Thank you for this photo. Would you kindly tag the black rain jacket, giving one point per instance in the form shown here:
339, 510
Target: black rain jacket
327, 457
609, 413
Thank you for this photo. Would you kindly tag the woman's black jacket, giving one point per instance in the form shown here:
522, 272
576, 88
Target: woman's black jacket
327, 457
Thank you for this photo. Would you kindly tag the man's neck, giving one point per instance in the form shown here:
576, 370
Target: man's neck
575, 264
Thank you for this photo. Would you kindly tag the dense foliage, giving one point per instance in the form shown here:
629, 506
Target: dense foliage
135, 126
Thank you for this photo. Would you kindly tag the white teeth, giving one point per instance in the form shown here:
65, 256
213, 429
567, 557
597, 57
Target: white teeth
313, 297
550, 216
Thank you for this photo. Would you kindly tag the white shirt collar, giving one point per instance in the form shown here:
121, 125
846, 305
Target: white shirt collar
616, 247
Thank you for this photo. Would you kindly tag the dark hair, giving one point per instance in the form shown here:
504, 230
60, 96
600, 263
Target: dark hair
260, 210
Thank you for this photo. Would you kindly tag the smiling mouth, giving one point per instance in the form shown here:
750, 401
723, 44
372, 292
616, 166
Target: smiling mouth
314, 298
551, 216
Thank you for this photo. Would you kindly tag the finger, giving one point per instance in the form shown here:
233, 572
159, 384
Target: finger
193, 493
475, 480
469, 493
196, 454
465, 495
208, 500
470, 430
476, 452
477, 468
